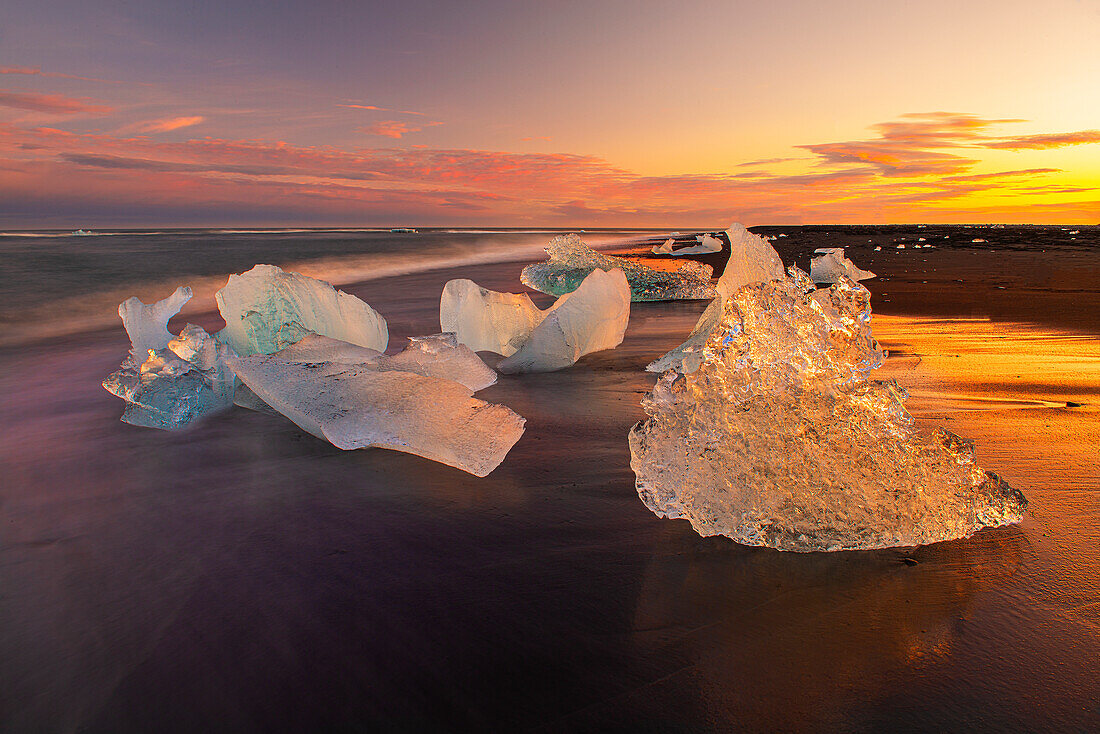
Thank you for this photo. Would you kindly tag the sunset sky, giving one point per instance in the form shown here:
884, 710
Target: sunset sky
134, 114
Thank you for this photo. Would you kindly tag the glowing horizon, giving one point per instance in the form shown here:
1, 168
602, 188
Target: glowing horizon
520, 114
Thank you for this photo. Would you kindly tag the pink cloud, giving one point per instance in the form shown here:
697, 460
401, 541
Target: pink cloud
379, 109
167, 124
54, 104
29, 71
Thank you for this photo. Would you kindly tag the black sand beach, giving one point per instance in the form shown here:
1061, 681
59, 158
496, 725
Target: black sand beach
243, 576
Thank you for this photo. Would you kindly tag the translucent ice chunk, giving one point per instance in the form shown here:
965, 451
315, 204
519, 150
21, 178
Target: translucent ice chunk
707, 244
752, 260
173, 386
267, 309
780, 439
486, 320
355, 406
437, 356
147, 324
664, 249
571, 261
591, 318
831, 264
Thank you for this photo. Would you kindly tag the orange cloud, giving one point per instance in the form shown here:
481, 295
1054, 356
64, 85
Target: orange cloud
29, 71
54, 104
378, 109
394, 128
167, 124
899, 176
1042, 142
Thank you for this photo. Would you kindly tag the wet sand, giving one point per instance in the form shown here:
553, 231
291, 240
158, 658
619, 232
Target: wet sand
244, 576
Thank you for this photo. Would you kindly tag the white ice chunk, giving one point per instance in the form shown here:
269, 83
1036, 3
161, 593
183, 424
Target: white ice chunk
780, 439
831, 265
267, 309
355, 406
664, 249
438, 355
486, 320
591, 318
752, 260
147, 324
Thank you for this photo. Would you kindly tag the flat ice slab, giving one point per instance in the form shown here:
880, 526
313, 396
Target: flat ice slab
356, 406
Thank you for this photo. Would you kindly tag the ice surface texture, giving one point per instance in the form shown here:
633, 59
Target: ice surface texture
486, 320
439, 356
831, 264
780, 439
591, 318
571, 261
181, 379
752, 260
359, 405
267, 309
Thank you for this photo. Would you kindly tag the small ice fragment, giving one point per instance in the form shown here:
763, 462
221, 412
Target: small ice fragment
877, 248
780, 439
486, 320
979, 240
707, 245
266, 309
665, 249
147, 324
571, 261
438, 355
832, 265
900, 247
591, 318
354, 406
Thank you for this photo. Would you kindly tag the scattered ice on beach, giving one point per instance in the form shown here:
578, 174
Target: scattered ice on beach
486, 320
591, 318
752, 260
900, 247
356, 406
266, 309
877, 249
979, 240
831, 265
663, 249
571, 261
147, 324
780, 439
438, 355
707, 244
170, 385
920, 239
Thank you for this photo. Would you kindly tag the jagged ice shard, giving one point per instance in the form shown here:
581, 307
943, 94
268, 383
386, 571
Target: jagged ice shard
591, 318
831, 264
779, 438
571, 261
752, 260
169, 382
486, 320
267, 309
357, 406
